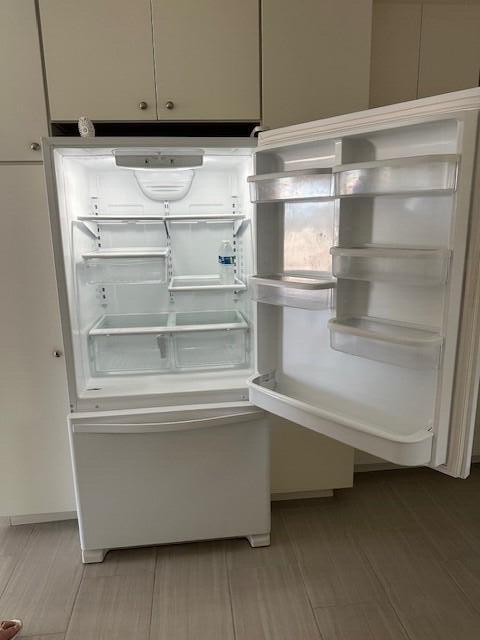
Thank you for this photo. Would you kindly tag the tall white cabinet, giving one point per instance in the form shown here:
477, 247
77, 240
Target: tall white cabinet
35, 475
23, 115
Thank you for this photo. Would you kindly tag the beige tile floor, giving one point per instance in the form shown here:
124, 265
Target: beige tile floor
397, 557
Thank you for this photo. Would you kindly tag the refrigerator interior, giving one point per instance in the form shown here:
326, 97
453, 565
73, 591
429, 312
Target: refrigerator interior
148, 311
368, 360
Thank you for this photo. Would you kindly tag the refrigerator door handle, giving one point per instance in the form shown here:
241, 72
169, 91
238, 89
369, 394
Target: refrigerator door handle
162, 427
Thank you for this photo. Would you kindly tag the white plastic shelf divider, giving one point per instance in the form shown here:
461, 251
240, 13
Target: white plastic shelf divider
203, 283
183, 217
417, 174
109, 254
392, 264
395, 343
299, 185
302, 292
117, 219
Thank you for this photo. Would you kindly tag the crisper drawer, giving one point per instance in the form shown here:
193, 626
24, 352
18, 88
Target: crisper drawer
210, 349
170, 474
112, 354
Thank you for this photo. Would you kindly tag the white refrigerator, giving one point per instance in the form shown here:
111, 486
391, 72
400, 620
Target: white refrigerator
351, 309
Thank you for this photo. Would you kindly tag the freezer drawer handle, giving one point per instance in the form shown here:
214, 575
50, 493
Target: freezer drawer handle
160, 427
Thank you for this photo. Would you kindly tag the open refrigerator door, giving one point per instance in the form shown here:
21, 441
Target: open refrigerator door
362, 252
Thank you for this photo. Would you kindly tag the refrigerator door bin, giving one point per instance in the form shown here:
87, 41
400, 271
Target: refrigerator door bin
406, 266
307, 184
399, 175
394, 343
404, 444
204, 283
126, 266
293, 291
209, 339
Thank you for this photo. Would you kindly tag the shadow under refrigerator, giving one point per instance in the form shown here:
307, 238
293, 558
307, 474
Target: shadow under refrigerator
347, 303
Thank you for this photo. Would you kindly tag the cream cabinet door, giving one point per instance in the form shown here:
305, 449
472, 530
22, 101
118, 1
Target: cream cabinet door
315, 59
207, 59
99, 59
450, 48
23, 117
35, 474
395, 52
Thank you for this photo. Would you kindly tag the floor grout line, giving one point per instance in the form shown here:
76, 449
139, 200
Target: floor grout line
153, 592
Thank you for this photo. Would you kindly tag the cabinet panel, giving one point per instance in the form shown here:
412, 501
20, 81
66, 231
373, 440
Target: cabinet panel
99, 59
23, 118
315, 59
450, 48
33, 387
207, 59
395, 53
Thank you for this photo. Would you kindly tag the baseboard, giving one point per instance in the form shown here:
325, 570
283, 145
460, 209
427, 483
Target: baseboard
301, 495
376, 466
37, 518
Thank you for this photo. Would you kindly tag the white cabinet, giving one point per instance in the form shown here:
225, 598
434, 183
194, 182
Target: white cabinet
315, 59
207, 59
395, 52
450, 48
35, 473
23, 119
99, 59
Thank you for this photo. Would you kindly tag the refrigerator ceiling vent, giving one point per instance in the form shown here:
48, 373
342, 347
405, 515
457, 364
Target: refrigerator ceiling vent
165, 185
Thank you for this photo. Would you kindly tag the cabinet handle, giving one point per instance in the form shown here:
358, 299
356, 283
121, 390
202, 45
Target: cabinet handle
169, 105
56, 353
143, 105
35, 146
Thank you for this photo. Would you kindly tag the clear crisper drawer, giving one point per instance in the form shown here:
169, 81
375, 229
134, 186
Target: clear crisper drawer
292, 291
129, 353
394, 343
407, 266
399, 175
130, 343
210, 339
307, 184
126, 267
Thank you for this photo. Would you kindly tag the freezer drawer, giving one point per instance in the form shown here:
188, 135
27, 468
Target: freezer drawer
170, 475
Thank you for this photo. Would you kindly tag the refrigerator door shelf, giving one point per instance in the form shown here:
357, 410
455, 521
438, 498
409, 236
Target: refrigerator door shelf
408, 446
303, 292
422, 267
304, 185
126, 266
204, 283
395, 343
416, 175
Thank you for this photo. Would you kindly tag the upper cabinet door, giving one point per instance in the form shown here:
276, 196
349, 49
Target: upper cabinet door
207, 59
23, 118
450, 48
315, 59
99, 59
395, 52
